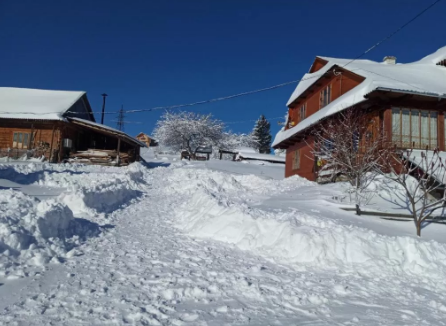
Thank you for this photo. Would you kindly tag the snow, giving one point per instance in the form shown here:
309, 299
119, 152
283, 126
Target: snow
422, 77
25, 103
258, 156
436, 162
245, 150
206, 243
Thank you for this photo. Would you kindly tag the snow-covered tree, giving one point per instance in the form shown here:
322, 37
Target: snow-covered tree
188, 131
262, 135
421, 175
232, 141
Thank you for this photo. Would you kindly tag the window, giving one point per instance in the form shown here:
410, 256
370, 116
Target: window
413, 128
325, 97
303, 111
296, 159
20, 140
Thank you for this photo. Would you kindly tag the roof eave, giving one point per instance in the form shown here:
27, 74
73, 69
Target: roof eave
393, 90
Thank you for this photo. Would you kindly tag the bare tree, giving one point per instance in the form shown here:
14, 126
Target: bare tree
349, 145
421, 175
188, 131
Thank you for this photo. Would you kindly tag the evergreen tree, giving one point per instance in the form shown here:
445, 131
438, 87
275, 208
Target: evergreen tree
262, 135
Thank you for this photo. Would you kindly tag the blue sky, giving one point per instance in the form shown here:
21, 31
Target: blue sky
158, 53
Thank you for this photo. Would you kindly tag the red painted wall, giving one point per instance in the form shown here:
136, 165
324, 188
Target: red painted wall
339, 85
307, 164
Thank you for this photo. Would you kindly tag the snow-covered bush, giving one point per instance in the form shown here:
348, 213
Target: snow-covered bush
233, 141
280, 152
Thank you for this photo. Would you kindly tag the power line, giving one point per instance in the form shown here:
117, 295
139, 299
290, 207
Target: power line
394, 32
294, 81
253, 120
262, 89
126, 121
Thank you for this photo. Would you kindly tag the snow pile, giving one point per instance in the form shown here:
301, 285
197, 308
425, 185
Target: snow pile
36, 232
31, 232
221, 210
88, 189
237, 186
23, 158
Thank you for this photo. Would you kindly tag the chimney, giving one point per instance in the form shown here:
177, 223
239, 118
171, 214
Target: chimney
389, 60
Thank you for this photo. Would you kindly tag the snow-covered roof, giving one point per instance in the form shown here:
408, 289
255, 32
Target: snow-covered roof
262, 157
98, 126
422, 77
26, 103
245, 149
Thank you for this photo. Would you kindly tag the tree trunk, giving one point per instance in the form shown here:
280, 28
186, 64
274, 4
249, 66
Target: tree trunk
418, 224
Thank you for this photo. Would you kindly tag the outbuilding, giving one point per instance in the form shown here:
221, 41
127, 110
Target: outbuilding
59, 126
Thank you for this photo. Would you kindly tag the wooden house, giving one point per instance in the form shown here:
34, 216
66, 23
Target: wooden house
405, 103
146, 139
59, 126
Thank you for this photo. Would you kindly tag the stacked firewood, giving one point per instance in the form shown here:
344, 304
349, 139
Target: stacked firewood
99, 156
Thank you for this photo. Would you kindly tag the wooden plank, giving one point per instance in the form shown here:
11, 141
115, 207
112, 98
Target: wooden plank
352, 209
118, 158
51, 145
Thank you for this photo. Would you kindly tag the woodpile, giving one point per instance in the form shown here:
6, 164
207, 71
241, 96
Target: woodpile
100, 157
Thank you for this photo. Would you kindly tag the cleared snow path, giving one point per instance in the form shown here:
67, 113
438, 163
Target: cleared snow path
148, 270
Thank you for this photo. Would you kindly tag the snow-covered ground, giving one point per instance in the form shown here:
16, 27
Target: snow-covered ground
205, 243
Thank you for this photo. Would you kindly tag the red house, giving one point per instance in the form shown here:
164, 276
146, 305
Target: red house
406, 102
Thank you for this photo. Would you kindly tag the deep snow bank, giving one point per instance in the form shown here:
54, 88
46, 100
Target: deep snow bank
35, 232
31, 232
218, 207
89, 190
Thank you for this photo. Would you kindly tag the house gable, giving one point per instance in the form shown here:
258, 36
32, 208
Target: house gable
81, 109
339, 80
317, 65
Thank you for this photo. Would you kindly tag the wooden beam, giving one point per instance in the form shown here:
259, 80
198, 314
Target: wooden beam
30, 138
118, 158
61, 135
51, 146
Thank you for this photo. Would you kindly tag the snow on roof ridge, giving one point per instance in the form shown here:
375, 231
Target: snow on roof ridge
434, 57
40, 89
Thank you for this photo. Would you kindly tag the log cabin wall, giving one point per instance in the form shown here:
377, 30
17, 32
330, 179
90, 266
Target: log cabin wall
15, 136
48, 137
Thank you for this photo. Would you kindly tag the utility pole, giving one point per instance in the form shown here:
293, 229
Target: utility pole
103, 108
120, 123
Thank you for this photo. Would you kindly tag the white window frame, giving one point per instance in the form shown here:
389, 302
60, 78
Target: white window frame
325, 96
303, 111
